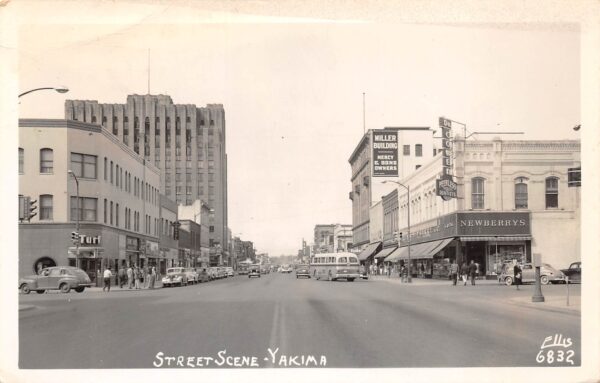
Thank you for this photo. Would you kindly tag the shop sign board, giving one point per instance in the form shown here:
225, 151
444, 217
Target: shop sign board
385, 153
493, 223
445, 187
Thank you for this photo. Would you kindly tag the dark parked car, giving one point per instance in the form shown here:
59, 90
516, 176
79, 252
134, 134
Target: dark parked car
573, 272
63, 278
254, 272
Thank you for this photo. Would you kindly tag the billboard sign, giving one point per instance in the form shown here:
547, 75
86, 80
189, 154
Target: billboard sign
385, 153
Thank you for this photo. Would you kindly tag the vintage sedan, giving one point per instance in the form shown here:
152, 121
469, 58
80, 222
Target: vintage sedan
548, 274
254, 272
302, 271
573, 272
63, 278
176, 276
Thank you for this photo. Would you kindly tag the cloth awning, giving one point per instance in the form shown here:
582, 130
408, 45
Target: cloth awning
424, 250
368, 251
499, 238
385, 252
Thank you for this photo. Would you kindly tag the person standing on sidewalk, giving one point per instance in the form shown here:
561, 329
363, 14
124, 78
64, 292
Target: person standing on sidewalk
107, 276
464, 271
122, 275
454, 272
472, 272
130, 277
152, 278
518, 276
137, 275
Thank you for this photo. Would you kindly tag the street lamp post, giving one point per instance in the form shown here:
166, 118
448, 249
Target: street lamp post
62, 89
409, 280
76, 219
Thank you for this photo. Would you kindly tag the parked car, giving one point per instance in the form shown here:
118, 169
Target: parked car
254, 272
202, 275
221, 272
229, 271
212, 273
176, 276
286, 269
548, 274
573, 272
192, 276
63, 278
302, 271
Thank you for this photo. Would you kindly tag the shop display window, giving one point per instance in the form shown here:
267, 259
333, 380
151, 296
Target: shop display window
504, 254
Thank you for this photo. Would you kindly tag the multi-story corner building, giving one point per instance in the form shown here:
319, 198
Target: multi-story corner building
415, 148
323, 239
514, 200
187, 144
342, 238
119, 203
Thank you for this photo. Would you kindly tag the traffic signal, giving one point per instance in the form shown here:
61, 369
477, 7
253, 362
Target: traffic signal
398, 236
31, 211
22, 206
75, 237
176, 225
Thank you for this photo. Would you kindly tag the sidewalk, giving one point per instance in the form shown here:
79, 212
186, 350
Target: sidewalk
113, 288
416, 281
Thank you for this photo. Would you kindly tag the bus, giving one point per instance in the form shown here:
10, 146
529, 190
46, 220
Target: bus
334, 266
243, 269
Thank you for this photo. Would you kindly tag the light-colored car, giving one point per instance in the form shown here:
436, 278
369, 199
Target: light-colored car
63, 278
286, 269
548, 274
176, 276
229, 271
213, 273
192, 275
254, 272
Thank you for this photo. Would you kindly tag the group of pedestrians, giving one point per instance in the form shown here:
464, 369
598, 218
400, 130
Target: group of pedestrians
135, 277
471, 271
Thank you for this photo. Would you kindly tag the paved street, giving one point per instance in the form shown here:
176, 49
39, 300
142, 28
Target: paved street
374, 323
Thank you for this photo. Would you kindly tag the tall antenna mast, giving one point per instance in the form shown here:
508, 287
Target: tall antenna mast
364, 120
148, 70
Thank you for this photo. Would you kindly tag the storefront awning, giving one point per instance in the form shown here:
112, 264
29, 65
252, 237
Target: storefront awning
368, 251
385, 252
497, 239
420, 251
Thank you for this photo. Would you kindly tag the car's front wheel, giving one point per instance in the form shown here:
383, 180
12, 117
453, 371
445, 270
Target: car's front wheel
508, 281
25, 289
65, 288
40, 291
544, 279
79, 289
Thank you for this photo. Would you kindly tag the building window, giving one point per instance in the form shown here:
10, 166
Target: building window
46, 160
551, 192
202, 122
212, 122
406, 150
105, 209
477, 193
111, 172
115, 128
83, 165
105, 168
188, 190
87, 209
93, 119
21, 160
521, 193
111, 212
117, 215
418, 150
45, 207
211, 229
104, 121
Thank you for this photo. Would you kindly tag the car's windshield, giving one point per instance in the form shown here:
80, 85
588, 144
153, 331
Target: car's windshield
175, 270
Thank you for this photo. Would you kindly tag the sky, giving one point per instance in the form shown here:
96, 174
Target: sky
292, 93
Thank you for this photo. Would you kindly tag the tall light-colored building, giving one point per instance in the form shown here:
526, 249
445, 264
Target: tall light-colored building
119, 199
187, 144
342, 238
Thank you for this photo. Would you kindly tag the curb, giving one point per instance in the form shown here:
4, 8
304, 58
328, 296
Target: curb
25, 307
540, 306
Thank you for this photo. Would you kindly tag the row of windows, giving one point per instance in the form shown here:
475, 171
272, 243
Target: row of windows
418, 150
521, 193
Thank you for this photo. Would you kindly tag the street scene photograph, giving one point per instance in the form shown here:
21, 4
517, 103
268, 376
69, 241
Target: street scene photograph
219, 192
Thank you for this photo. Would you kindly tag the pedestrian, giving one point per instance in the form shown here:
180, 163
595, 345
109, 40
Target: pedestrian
389, 271
122, 275
422, 270
107, 276
152, 277
464, 270
130, 277
454, 272
472, 272
137, 275
518, 275
145, 277
404, 273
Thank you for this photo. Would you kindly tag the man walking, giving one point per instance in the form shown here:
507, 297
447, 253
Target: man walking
473, 272
130, 277
107, 276
454, 272
464, 270
122, 275
137, 275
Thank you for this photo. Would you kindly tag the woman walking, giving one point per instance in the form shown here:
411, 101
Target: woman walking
518, 274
